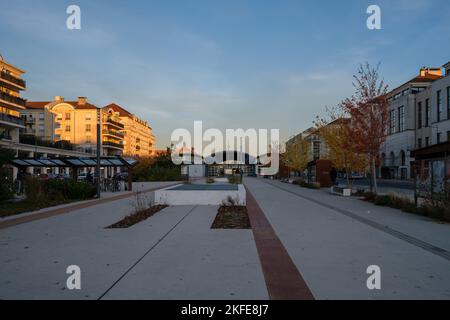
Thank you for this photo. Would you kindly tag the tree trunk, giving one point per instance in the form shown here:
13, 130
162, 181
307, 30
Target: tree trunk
348, 179
374, 176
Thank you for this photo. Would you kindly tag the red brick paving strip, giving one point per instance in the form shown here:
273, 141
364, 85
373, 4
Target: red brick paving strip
70, 208
283, 280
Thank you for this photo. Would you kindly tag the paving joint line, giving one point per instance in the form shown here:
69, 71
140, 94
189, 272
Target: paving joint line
146, 253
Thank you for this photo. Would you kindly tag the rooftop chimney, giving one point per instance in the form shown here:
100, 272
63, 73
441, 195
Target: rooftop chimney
59, 99
82, 100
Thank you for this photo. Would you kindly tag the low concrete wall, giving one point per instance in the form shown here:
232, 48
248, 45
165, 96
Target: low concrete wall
172, 197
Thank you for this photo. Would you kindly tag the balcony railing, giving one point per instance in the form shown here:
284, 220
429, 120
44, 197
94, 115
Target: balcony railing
11, 78
112, 144
11, 119
117, 124
15, 100
114, 133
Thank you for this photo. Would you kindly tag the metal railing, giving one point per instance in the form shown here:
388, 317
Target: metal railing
11, 78
118, 124
16, 100
114, 133
112, 144
11, 119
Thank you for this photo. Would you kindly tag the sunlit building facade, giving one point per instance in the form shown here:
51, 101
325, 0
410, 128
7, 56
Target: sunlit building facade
11, 104
138, 138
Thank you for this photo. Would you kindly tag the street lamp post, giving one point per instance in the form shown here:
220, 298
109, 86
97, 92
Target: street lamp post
97, 168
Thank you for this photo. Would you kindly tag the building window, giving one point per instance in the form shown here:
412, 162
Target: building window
88, 127
67, 128
419, 143
419, 115
67, 115
41, 116
448, 103
59, 117
439, 105
438, 137
316, 149
427, 112
88, 139
392, 122
401, 119
41, 127
88, 116
427, 141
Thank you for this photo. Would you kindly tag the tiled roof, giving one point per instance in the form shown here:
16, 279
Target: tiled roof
37, 104
75, 104
122, 112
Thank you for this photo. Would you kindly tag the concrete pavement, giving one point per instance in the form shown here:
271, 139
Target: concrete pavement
330, 240
173, 255
332, 250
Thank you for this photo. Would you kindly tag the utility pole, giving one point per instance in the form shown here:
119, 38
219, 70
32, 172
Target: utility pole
97, 169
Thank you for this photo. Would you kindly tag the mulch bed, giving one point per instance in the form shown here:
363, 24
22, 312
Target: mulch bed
232, 217
137, 217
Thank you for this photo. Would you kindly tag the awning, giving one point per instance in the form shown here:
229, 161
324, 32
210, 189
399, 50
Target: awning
74, 162
441, 150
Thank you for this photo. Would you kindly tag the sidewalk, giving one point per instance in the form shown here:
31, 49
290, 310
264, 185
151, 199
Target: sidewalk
332, 250
173, 255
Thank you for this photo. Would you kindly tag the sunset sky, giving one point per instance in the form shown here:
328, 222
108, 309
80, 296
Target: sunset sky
231, 64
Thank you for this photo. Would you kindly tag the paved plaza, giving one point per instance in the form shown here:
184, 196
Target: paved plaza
325, 243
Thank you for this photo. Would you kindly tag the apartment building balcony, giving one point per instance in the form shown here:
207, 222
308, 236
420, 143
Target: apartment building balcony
110, 144
114, 134
11, 101
11, 121
114, 123
12, 80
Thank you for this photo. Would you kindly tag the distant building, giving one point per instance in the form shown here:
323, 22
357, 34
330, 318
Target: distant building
11, 84
138, 140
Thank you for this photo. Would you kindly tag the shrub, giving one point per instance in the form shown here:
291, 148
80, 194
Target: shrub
309, 185
160, 168
6, 181
57, 190
234, 179
209, 180
383, 200
433, 208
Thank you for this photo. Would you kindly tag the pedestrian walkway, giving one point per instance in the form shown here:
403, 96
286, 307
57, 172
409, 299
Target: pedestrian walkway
332, 250
172, 255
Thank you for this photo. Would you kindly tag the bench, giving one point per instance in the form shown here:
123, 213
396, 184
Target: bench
345, 192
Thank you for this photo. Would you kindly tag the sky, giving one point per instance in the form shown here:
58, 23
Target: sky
229, 63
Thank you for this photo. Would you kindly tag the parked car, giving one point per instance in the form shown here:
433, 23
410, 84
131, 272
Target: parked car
82, 177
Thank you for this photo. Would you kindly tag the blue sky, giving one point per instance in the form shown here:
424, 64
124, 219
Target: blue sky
230, 63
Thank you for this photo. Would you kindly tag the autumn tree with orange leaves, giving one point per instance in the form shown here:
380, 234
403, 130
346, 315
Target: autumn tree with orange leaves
335, 131
368, 111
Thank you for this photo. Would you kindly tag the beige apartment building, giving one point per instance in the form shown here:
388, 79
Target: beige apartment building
138, 140
74, 122
11, 103
122, 133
